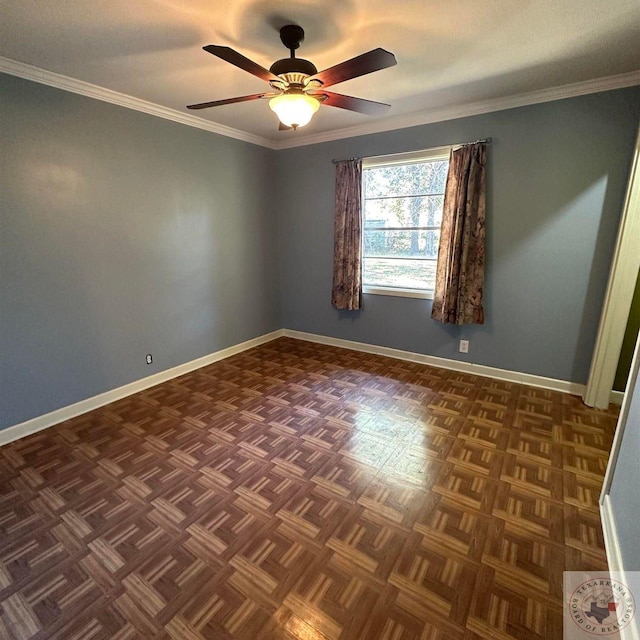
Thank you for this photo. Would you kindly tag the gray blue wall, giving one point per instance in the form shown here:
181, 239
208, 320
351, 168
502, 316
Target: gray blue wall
557, 175
122, 234
623, 493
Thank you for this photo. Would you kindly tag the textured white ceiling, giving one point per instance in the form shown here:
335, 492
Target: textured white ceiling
449, 52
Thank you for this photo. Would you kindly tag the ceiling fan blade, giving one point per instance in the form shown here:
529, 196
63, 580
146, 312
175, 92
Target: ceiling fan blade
359, 66
283, 127
218, 103
230, 55
360, 105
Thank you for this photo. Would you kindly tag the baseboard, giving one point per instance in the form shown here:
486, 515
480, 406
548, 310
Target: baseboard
541, 382
65, 413
617, 397
614, 558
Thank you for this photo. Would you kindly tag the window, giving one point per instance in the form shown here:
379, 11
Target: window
402, 212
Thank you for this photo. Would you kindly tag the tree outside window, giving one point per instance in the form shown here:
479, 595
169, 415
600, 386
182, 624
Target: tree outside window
402, 214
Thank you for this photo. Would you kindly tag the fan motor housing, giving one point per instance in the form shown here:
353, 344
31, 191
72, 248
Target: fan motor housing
293, 65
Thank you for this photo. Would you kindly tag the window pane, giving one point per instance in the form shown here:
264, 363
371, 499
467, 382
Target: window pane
406, 179
409, 274
400, 202
423, 244
404, 212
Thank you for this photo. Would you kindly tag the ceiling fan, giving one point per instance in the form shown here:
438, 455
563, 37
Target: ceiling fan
298, 87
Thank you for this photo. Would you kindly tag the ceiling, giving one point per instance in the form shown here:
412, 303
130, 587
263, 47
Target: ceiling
450, 53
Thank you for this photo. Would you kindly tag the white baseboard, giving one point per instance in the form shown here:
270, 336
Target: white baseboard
614, 558
445, 363
617, 397
65, 413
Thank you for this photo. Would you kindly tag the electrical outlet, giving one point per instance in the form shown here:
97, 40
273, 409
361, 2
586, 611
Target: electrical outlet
149, 358
464, 346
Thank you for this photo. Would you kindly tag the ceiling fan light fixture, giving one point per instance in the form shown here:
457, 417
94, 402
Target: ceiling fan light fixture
299, 87
294, 109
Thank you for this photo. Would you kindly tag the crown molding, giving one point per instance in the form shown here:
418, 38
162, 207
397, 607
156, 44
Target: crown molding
470, 109
59, 81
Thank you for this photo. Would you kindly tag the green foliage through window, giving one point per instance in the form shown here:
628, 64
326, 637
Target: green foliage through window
402, 206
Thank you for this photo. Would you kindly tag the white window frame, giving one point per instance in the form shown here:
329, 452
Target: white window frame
411, 157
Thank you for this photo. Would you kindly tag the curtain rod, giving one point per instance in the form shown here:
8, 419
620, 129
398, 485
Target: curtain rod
457, 144
462, 144
334, 161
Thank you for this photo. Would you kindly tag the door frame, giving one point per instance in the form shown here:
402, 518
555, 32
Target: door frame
617, 302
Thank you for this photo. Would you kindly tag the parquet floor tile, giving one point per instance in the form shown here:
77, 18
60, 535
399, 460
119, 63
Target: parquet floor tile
298, 491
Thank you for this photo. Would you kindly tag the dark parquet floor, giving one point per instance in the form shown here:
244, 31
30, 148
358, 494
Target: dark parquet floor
304, 491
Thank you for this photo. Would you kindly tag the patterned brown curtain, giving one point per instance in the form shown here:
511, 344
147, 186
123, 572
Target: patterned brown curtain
347, 235
460, 270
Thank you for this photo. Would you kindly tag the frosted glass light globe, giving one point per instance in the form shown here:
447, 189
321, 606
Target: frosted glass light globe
294, 109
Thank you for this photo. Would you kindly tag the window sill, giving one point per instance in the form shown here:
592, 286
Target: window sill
402, 293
